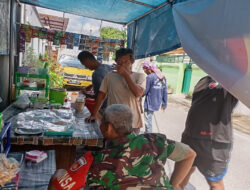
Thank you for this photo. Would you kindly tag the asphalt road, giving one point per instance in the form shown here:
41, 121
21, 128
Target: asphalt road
171, 122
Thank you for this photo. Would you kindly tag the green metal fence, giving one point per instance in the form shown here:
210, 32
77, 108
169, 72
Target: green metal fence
181, 72
180, 58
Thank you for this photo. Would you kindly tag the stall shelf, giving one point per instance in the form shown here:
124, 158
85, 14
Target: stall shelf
18, 77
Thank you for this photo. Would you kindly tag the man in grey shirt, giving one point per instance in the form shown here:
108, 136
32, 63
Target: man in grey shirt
100, 71
208, 131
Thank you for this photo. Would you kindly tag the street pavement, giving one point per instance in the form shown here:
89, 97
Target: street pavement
171, 122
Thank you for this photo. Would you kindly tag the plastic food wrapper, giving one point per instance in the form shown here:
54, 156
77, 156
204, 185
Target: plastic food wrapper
74, 178
45, 120
8, 169
23, 102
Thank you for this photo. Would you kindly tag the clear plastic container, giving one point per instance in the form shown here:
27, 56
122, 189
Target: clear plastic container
79, 104
74, 96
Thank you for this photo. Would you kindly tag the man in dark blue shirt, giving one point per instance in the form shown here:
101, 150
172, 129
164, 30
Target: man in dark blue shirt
100, 70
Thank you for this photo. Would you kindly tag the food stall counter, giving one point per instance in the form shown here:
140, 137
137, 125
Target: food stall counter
84, 134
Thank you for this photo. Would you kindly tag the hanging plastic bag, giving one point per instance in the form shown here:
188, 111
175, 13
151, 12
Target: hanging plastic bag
23, 102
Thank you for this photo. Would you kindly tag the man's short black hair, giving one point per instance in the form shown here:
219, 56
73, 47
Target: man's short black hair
124, 51
85, 55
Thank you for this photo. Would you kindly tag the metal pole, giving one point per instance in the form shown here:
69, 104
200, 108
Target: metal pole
11, 52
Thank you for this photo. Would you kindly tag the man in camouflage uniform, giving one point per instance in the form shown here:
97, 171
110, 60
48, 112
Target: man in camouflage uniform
136, 162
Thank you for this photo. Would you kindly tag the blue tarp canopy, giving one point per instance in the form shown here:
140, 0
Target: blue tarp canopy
214, 33
151, 28
118, 11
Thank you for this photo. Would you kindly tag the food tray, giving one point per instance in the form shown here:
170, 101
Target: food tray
64, 133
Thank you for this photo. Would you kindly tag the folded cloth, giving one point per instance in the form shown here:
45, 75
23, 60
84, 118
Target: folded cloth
157, 72
74, 178
146, 65
153, 67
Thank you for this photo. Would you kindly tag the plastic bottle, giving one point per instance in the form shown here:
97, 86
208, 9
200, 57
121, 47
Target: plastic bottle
80, 102
74, 96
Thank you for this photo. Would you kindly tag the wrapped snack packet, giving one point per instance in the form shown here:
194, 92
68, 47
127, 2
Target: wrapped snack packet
8, 169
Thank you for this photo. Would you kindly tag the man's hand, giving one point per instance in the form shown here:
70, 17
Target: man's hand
85, 90
177, 187
89, 87
126, 74
90, 119
121, 70
163, 107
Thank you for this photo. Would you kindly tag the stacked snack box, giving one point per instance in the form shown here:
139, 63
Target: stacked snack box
35, 156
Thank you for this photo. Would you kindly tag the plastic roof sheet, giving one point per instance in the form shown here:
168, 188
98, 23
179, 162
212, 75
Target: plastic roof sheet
151, 27
118, 11
153, 34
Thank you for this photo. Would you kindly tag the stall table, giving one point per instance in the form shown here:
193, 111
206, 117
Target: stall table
85, 134
37, 175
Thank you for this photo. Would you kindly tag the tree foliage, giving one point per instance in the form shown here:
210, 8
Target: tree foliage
113, 33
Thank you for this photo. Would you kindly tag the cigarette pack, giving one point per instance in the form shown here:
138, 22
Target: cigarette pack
35, 156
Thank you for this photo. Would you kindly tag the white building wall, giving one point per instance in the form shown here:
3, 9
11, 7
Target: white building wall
29, 15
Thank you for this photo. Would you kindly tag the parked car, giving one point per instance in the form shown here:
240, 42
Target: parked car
75, 74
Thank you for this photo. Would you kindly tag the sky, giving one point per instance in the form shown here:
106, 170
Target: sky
79, 24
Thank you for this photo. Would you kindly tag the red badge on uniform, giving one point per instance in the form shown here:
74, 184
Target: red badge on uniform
74, 178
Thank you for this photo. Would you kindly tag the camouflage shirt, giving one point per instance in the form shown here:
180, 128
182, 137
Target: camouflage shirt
135, 162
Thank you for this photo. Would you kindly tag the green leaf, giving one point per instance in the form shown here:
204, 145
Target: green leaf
113, 33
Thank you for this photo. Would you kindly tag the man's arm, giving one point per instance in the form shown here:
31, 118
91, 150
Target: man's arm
85, 89
89, 87
184, 157
98, 103
100, 99
96, 82
164, 96
148, 85
135, 89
